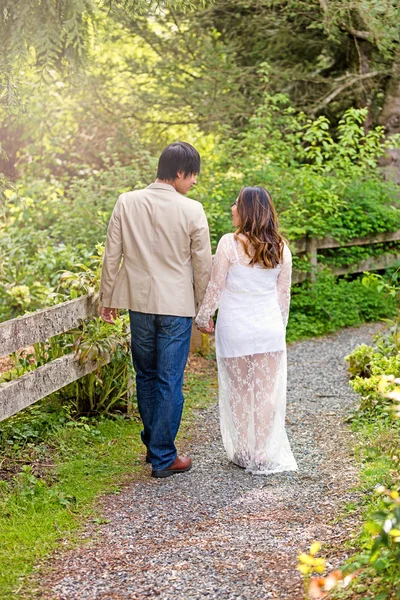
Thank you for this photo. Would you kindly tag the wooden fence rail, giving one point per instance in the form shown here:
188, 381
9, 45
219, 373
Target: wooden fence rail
39, 327
44, 324
311, 246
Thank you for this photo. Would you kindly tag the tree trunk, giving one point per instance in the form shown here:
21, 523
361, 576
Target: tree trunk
390, 119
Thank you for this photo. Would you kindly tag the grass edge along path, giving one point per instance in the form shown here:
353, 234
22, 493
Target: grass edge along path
375, 439
43, 514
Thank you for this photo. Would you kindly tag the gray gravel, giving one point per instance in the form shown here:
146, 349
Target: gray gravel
216, 531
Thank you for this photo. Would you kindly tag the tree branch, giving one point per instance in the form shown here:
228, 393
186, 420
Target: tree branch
324, 6
344, 86
356, 33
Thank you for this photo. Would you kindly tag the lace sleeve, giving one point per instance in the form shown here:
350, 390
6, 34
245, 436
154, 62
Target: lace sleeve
216, 284
283, 284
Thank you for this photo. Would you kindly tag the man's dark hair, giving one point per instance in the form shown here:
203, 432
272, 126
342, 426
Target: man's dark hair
179, 156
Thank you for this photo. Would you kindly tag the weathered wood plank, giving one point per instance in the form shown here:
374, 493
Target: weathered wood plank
299, 276
31, 387
370, 264
195, 340
300, 245
44, 324
376, 238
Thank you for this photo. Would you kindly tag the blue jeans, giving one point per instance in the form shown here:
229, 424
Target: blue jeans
160, 348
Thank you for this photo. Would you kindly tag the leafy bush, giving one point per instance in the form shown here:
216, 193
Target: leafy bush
321, 186
106, 389
360, 361
376, 372
317, 308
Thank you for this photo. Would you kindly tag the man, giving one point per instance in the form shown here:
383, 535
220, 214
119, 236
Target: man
165, 244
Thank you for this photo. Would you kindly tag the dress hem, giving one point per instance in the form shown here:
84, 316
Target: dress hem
271, 472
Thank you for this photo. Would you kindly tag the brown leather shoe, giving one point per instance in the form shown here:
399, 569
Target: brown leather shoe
180, 465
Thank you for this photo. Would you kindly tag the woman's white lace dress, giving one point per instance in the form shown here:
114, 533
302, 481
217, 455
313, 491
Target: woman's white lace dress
253, 311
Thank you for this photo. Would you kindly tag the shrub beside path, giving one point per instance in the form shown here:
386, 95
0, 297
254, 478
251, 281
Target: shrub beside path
216, 531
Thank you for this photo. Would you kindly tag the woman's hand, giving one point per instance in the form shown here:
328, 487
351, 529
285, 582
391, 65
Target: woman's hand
208, 329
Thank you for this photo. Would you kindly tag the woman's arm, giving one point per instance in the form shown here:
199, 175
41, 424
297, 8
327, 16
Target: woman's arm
216, 285
283, 284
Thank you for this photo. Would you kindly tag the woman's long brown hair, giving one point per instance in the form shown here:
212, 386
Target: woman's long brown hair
263, 243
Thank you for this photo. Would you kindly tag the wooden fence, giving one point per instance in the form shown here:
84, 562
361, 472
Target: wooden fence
311, 246
44, 324
39, 327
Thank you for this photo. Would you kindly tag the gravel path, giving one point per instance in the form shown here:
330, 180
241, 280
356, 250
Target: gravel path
217, 532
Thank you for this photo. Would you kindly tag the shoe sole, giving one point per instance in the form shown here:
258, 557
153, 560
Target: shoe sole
159, 473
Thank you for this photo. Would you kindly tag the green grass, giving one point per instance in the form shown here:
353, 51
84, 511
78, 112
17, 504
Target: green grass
89, 458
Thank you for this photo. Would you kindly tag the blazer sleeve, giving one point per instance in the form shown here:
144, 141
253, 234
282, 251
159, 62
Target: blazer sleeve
112, 257
201, 256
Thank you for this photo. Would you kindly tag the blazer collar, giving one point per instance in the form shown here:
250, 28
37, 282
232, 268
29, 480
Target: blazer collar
162, 186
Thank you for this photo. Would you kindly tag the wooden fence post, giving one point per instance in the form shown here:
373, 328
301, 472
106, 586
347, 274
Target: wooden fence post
199, 342
195, 340
312, 248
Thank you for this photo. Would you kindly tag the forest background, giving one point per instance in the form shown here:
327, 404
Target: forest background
293, 95
300, 96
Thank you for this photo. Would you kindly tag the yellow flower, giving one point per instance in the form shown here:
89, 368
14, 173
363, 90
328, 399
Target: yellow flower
304, 569
385, 379
314, 548
309, 562
306, 559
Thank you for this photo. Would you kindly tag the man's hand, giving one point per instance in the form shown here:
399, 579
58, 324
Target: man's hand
108, 314
208, 329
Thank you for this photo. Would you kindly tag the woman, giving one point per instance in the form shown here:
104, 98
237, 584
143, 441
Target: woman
250, 283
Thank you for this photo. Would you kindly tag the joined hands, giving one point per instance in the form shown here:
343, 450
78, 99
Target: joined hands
208, 329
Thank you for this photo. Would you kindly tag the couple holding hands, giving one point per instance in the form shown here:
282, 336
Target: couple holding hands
167, 277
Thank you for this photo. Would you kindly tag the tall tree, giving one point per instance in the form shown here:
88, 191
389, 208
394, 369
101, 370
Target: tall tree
327, 54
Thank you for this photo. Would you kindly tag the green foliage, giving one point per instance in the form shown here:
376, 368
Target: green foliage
376, 548
360, 361
385, 525
59, 34
50, 34
55, 490
367, 365
107, 389
329, 55
317, 308
371, 402
377, 427
33, 426
320, 185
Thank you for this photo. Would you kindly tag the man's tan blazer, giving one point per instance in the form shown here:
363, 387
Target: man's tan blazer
164, 242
